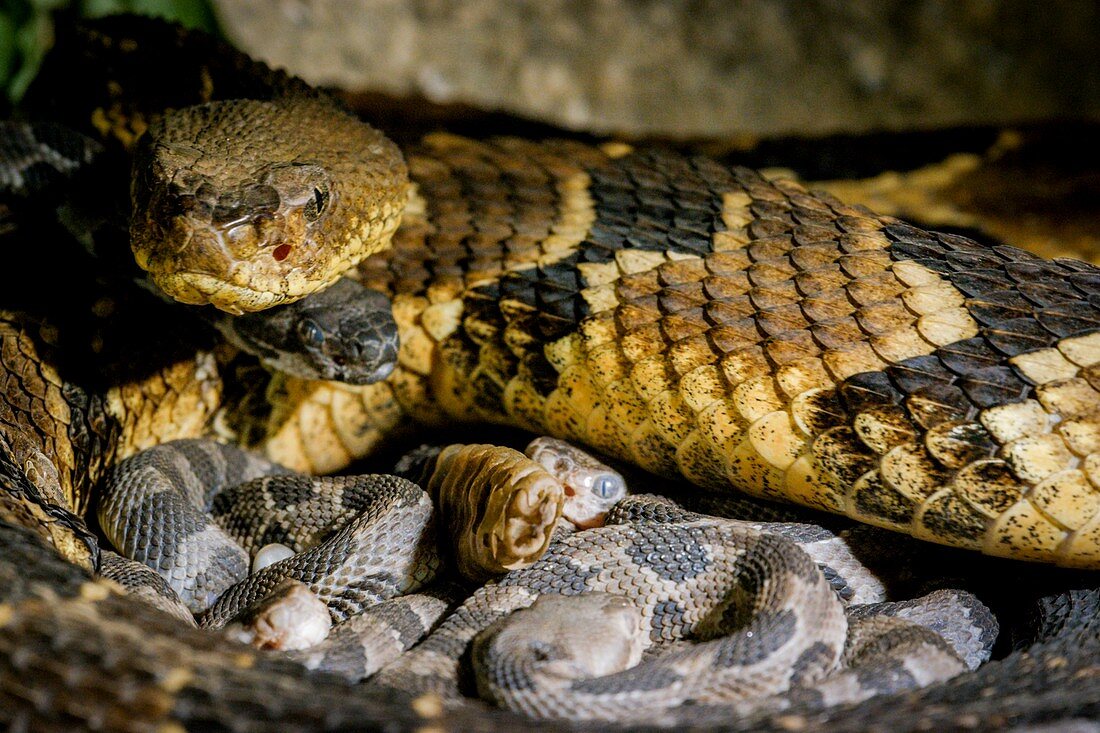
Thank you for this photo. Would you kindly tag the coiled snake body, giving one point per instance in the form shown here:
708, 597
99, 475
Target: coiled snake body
690, 318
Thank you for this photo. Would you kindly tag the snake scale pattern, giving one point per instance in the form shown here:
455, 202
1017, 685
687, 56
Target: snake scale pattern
692, 319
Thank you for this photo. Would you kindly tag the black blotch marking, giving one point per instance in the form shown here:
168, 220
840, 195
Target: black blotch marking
673, 553
951, 516
288, 491
881, 500
885, 676
642, 678
654, 200
867, 389
410, 627
768, 632
274, 534
837, 582
556, 572
817, 658
920, 371
449, 645
667, 622
357, 595
1020, 302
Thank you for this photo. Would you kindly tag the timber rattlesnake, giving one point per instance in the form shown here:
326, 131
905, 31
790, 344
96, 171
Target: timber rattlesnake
684, 316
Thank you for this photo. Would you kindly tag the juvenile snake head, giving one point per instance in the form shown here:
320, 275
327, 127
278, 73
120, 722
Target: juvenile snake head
591, 487
559, 639
345, 333
247, 204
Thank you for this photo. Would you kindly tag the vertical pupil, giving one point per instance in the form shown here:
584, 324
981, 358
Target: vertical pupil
607, 486
316, 205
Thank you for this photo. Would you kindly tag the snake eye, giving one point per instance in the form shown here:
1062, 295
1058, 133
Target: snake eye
311, 333
606, 486
316, 205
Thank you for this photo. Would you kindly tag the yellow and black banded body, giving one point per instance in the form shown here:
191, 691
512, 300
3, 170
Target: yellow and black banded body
743, 333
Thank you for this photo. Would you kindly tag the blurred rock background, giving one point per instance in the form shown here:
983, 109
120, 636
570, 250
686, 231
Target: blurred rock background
670, 67
699, 67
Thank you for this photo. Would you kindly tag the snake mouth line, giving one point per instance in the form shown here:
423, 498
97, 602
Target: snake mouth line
197, 288
382, 372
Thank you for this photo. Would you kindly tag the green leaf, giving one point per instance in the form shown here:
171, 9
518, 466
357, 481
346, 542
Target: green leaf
7, 49
96, 8
32, 40
191, 13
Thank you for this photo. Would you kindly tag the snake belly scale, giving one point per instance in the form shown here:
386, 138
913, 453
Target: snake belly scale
691, 318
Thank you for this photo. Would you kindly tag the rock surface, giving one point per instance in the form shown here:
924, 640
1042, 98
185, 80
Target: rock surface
703, 67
